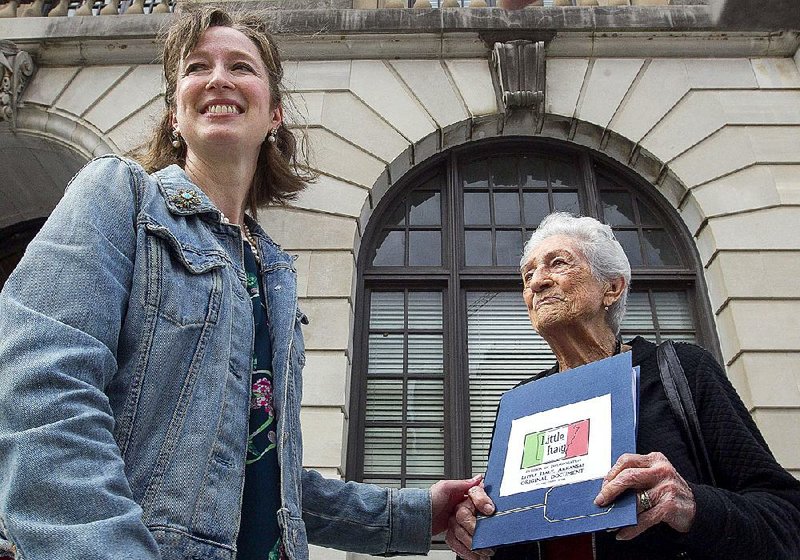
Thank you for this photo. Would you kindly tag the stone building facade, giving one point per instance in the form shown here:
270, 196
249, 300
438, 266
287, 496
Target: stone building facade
694, 107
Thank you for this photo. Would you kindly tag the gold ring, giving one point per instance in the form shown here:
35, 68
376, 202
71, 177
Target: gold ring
644, 500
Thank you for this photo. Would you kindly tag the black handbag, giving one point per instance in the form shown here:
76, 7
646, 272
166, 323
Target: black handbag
680, 400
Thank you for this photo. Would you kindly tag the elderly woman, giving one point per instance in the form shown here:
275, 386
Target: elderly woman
576, 279
151, 346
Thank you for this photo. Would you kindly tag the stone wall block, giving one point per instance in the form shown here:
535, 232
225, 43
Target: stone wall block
748, 189
659, 88
474, 81
87, 87
427, 147
324, 379
606, 84
333, 156
135, 131
317, 75
306, 109
761, 325
563, 84
721, 153
748, 275
302, 263
322, 436
299, 230
776, 72
346, 116
323, 553
431, 85
401, 164
768, 229
768, 379
140, 86
697, 116
692, 213
374, 82
456, 134
329, 323
331, 274
331, 195
775, 425
720, 73
47, 85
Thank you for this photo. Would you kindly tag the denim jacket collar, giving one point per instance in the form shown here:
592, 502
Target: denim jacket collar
181, 196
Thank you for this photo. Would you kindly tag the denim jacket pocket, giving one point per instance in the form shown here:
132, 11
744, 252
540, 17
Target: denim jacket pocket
184, 282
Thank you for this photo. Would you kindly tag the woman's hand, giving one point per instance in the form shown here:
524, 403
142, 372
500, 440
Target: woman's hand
461, 525
662, 494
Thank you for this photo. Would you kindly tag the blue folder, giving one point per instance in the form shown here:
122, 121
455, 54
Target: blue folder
556, 510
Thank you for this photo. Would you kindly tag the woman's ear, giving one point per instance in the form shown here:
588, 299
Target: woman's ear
614, 291
277, 116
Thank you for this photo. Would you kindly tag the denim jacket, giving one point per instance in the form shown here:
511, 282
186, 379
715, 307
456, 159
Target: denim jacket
126, 337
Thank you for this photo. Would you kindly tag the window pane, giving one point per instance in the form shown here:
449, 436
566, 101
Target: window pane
424, 248
506, 208
386, 310
659, 248
385, 354
397, 217
618, 208
566, 202
503, 349
537, 206
424, 209
425, 353
509, 247
476, 208
425, 451
475, 174
630, 244
672, 309
382, 450
534, 172
424, 310
646, 217
425, 400
638, 318
384, 400
478, 248
563, 174
504, 172
391, 249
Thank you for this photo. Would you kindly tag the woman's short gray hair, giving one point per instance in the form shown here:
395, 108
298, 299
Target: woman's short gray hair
607, 260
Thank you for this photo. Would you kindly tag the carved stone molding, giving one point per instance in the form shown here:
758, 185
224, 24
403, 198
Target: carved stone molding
519, 66
16, 69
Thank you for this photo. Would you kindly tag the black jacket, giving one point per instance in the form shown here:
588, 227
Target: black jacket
753, 513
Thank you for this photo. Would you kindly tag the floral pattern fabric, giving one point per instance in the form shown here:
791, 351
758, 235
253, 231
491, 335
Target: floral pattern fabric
259, 535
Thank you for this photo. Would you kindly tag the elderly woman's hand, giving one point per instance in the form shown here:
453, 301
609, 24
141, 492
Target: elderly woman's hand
462, 524
662, 494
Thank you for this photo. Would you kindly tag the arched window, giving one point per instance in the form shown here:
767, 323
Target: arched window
13, 241
442, 329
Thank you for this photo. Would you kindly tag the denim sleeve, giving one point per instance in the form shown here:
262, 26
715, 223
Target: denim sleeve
63, 490
366, 518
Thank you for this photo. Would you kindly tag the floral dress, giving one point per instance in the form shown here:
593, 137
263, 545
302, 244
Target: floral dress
259, 535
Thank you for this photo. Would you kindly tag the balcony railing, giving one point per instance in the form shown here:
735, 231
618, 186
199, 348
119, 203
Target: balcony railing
56, 8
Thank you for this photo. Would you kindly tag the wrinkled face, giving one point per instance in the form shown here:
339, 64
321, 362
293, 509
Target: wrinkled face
222, 95
560, 289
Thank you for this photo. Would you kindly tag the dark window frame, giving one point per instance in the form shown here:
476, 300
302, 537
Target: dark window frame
455, 281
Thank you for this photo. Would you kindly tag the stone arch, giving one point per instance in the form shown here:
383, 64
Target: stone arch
624, 151
38, 158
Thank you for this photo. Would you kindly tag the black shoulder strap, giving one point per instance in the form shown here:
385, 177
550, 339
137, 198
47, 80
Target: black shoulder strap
680, 400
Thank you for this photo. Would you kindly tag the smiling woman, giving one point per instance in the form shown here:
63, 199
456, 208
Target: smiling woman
160, 380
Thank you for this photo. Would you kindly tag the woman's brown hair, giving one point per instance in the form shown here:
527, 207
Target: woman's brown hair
278, 176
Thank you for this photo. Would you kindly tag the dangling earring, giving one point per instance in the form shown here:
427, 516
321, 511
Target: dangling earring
605, 307
272, 137
176, 138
